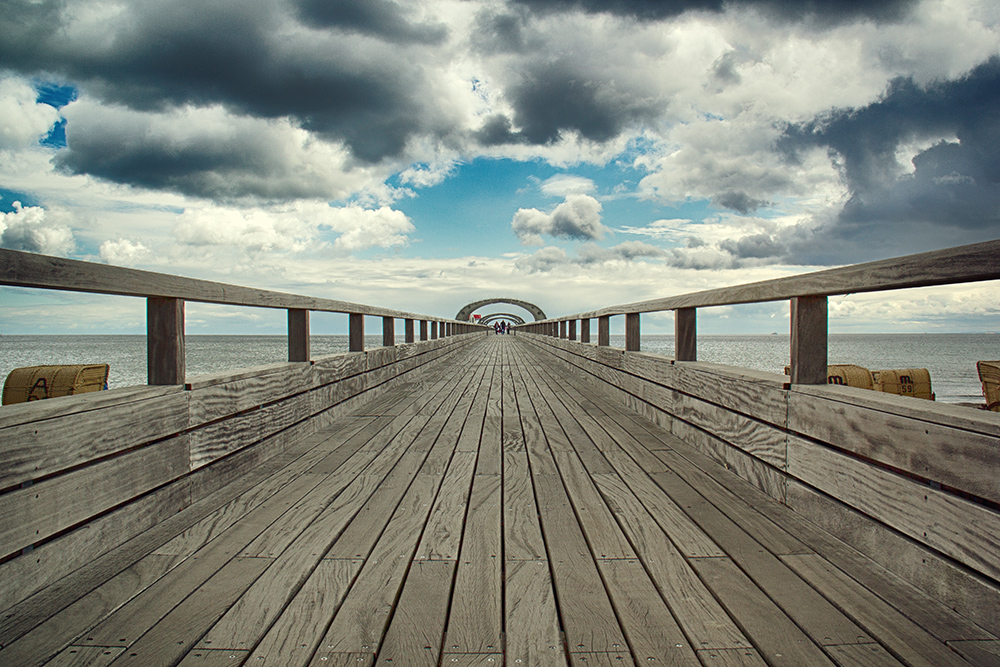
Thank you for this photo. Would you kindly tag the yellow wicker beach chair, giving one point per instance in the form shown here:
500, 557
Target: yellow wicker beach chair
989, 375
33, 383
914, 382
850, 375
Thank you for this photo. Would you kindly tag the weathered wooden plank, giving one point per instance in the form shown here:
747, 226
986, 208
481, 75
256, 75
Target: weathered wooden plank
31, 514
154, 602
966, 531
417, 628
475, 624
443, 534
701, 617
893, 628
50, 636
611, 659
362, 618
532, 622
588, 618
603, 534
862, 655
294, 636
951, 265
811, 612
125, 536
979, 653
653, 634
213, 658
84, 656
167, 641
473, 659
731, 657
937, 576
47, 445
931, 614
956, 457
34, 270
772, 633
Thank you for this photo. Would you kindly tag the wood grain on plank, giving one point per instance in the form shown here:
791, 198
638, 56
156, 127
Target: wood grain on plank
475, 624
966, 531
293, 637
417, 628
588, 618
907, 639
532, 622
772, 632
653, 634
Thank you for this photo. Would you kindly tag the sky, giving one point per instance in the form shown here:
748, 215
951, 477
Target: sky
425, 154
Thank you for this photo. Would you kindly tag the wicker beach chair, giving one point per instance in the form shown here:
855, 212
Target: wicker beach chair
989, 375
33, 383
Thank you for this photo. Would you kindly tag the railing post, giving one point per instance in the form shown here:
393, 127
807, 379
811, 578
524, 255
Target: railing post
434, 330
585, 330
356, 332
809, 339
562, 329
686, 334
298, 334
164, 341
388, 332
423, 329
604, 330
632, 340
408, 331
572, 329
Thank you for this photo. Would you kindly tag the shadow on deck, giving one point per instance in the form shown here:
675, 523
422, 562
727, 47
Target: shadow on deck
497, 510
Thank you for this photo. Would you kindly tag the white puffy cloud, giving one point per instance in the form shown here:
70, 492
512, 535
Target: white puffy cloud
123, 252
577, 218
35, 229
22, 120
293, 228
362, 228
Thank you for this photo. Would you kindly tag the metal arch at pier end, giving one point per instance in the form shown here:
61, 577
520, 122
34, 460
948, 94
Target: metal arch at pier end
466, 312
494, 317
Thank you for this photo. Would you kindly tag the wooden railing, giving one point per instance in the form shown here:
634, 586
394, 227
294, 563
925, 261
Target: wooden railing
808, 294
911, 484
166, 295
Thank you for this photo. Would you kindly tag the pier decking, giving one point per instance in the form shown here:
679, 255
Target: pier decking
494, 510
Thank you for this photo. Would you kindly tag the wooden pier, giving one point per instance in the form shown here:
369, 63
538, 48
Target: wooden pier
483, 500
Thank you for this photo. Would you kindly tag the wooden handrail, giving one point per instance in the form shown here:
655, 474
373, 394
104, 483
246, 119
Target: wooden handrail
808, 295
25, 269
167, 294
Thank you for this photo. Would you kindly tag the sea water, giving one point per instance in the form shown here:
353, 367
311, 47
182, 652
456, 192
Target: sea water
950, 358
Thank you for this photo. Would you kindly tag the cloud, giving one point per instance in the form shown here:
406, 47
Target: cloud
563, 185
550, 258
380, 18
578, 218
825, 11
22, 119
339, 74
123, 252
301, 227
205, 152
951, 133
34, 229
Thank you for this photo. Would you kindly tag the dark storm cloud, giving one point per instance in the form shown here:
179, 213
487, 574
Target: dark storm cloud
954, 185
550, 98
162, 55
382, 18
827, 11
740, 202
